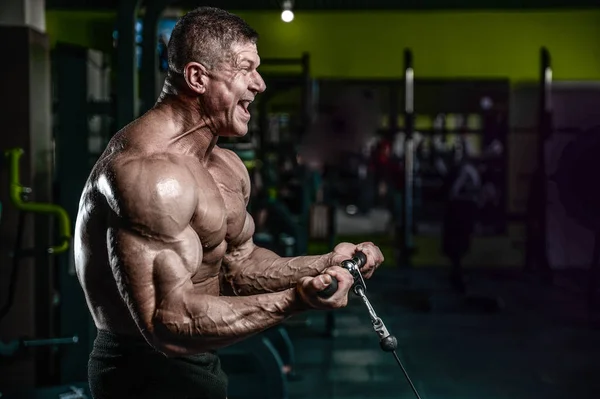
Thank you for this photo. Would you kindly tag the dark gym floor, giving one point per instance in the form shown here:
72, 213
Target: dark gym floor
541, 344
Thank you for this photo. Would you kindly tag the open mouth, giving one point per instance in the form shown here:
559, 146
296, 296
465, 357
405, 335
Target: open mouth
244, 104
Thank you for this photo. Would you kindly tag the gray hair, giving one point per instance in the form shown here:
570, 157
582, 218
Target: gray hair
205, 35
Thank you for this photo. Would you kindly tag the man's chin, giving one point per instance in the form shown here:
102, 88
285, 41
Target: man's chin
238, 131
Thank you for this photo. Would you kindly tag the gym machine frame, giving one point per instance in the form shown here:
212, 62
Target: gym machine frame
407, 198
544, 131
18, 197
540, 241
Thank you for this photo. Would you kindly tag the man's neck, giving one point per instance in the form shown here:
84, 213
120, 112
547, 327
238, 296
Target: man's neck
191, 131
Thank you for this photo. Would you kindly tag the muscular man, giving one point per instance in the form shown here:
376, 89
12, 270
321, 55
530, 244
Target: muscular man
163, 242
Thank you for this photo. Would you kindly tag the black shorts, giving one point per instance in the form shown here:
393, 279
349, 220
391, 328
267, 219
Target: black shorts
128, 367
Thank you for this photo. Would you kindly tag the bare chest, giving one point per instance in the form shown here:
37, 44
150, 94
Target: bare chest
221, 211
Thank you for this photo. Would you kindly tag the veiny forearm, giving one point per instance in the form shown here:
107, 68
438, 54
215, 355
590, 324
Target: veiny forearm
193, 322
262, 271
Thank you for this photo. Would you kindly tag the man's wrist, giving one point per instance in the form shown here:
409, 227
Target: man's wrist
330, 257
297, 304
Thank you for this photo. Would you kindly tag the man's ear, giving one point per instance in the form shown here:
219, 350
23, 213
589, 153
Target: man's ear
196, 77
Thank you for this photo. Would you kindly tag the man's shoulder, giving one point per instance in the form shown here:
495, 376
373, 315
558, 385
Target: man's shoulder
234, 162
228, 155
232, 159
147, 168
148, 180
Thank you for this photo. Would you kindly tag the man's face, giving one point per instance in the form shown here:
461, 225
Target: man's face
231, 88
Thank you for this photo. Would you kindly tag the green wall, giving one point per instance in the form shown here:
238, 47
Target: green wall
370, 44
89, 29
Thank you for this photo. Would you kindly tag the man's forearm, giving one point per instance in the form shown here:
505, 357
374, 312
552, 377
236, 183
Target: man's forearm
199, 323
262, 271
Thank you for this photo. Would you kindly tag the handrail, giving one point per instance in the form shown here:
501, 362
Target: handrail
17, 192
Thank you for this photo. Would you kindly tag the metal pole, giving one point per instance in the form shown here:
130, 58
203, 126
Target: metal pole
545, 126
408, 157
72, 149
149, 70
125, 60
306, 93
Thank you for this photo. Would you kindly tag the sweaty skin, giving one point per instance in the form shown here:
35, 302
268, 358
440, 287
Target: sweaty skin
163, 241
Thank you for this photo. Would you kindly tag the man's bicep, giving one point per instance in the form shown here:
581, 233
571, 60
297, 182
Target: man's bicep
244, 256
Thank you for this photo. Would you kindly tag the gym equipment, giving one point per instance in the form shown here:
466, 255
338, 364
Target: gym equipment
562, 185
255, 369
27, 124
279, 337
148, 74
409, 126
277, 137
18, 197
68, 391
277, 83
579, 196
125, 59
536, 217
387, 342
18, 193
13, 347
540, 241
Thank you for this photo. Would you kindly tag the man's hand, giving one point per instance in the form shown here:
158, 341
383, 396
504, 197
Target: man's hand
345, 250
308, 289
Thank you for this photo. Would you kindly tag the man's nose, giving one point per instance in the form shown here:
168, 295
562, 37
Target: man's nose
258, 85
